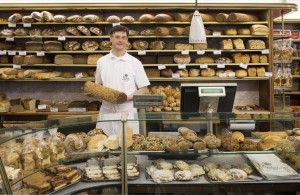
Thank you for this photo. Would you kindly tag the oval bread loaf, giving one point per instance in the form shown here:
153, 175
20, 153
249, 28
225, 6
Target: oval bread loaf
105, 93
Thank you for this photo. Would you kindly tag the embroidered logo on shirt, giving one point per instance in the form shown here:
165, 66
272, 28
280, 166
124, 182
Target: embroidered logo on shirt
125, 78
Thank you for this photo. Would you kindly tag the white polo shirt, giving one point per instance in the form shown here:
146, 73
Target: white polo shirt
125, 73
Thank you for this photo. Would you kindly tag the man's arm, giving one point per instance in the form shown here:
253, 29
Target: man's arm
142, 90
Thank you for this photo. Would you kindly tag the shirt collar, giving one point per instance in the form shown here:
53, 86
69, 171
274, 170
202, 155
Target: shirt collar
123, 58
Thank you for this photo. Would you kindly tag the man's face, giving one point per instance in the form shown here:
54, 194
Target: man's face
118, 40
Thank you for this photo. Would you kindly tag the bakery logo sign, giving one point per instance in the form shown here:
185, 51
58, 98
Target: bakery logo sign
125, 78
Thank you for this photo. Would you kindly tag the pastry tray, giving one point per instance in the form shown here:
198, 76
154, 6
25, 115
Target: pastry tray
86, 179
232, 159
149, 178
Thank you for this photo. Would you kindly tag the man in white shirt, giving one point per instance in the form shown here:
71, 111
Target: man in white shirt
120, 71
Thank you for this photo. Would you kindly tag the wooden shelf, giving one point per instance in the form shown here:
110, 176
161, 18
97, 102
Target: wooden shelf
191, 79
281, 36
295, 58
292, 92
282, 61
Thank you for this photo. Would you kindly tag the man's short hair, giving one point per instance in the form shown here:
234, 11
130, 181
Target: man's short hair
119, 28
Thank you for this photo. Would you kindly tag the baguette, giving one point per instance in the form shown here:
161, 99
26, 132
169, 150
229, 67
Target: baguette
105, 93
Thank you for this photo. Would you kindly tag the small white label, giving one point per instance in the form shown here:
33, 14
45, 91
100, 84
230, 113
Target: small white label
231, 74
217, 52
10, 24
40, 53
27, 131
175, 75
185, 52
18, 132
203, 66
42, 106
76, 109
268, 74
61, 38
2, 52
181, 66
141, 52
222, 75
115, 23
27, 24
265, 51
161, 67
54, 109
16, 66
255, 177
216, 34
243, 65
8, 133
200, 52
11, 52
22, 53
10, 38
220, 65
78, 75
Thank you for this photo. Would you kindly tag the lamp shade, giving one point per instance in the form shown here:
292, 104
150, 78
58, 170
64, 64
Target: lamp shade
197, 31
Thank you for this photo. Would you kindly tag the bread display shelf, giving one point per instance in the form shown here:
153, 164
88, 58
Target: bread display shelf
209, 64
53, 79
207, 79
62, 65
281, 36
138, 23
292, 93
139, 37
283, 61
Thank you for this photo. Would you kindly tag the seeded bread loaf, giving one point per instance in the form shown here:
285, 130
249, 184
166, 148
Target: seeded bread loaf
182, 59
105, 93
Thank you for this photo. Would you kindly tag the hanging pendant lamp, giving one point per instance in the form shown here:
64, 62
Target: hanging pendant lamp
197, 31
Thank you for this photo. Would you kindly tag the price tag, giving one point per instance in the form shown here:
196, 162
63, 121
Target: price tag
78, 75
231, 74
200, 52
54, 109
216, 34
243, 65
18, 132
265, 51
220, 65
8, 133
27, 24
217, 52
185, 52
16, 66
10, 39
203, 66
161, 67
61, 38
42, 106
2, 52
11, 52
141, 52
175, 75
181, 66
268, 74
222, 75
76, 109
22, 53
254, 177
10, 24
40, 53
115, 23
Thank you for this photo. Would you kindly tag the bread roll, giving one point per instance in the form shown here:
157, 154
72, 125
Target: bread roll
127, 19
230, 31
91, 18
244, 31
163, 18
182, 59
222, 17
96, 142
113, 19
146, 18
204, 59
96, 31
263, 59
238, 44
105, 93
194, 72
90, 45
112, 142
242, 17
183, 72
207, 72
241, 73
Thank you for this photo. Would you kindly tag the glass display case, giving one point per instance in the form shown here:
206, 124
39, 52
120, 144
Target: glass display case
180, 152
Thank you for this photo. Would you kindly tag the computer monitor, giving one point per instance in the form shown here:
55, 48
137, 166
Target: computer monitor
191, 100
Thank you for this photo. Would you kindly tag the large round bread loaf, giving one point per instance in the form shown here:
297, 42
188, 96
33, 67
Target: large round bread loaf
140, 45
72, 46
105, 93
84, 30
113, 19
163, 18
182, 59
90, 46
157, 45
75, 18
146, 18
105, 45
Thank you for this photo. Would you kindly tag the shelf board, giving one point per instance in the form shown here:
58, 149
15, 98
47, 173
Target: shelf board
296, 76
52, 79
190, 79
136, 22
282, 61
138, 37
295, 58
281, 36
295, 40
209, 64
58, 65
292, 92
